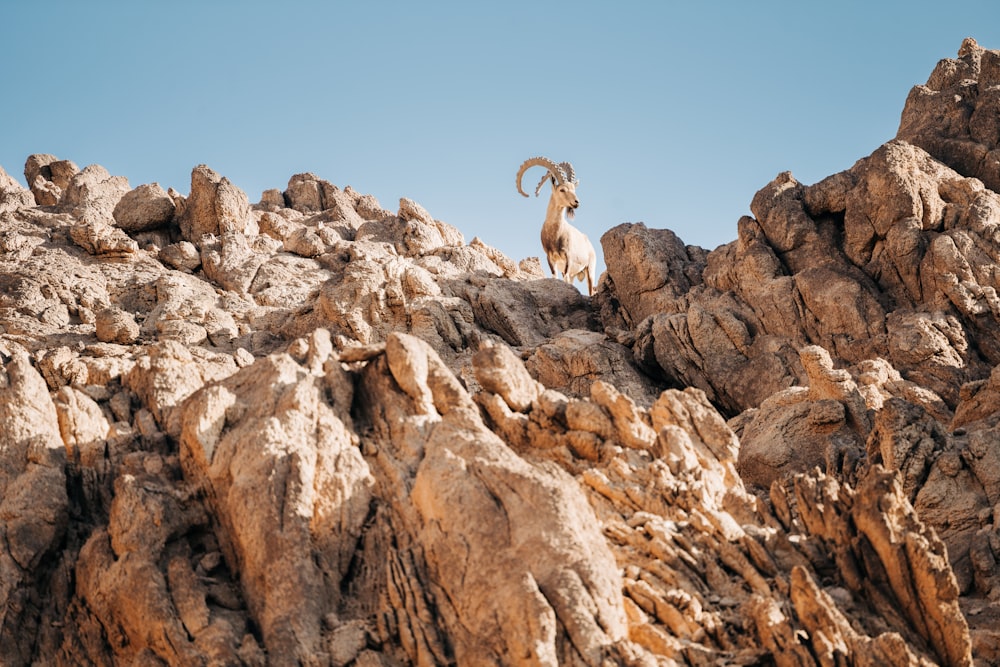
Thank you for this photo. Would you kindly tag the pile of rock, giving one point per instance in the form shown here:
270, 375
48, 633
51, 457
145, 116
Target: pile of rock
315, 431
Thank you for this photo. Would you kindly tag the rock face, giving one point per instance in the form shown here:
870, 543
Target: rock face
314, 431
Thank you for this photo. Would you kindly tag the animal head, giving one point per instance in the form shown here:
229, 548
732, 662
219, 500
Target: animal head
564, 194
562, 177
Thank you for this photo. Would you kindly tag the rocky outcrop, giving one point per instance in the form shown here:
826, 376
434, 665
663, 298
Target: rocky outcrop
213, 207
954, 115
316, 431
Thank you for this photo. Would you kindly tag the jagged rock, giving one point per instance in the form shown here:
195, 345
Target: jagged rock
905, 567
51, 168
655, 265
800, 428
475, 502
315, 431
366, 205
120, 579
92, 195
48, 177
99, 238
167, 374
233, 259
410, 211
12, 194
372, 296
523, 314
183, 256
34, 507
214, 206
307, 193
114, 325
499, 371
954, 115
409, 238
572, 360
915, 234
293, 514
146, 207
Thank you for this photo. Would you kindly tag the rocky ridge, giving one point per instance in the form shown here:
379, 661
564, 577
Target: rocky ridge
312, 430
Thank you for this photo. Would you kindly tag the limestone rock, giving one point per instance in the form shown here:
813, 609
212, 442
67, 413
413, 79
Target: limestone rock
166, 375
523, 313
500, 372
953, 115
12, 194
314, 431
92, 195
34, 510
146, 207
48, 177
656, 266
475, 502
793, 431
183, 256
915, 235
572, 360
214, 206
99, 238
302, 488
114, 325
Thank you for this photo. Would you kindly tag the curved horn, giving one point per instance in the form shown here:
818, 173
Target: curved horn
538, 188
568, 170
554, 169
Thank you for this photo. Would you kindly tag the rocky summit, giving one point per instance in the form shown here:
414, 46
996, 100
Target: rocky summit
317, 431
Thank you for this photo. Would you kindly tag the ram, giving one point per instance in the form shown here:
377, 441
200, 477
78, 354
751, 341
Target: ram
567, 249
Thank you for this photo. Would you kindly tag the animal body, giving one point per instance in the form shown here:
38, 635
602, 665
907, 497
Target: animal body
567, 249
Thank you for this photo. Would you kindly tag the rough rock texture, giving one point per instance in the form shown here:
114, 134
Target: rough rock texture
147, 207
314, 431
214, 206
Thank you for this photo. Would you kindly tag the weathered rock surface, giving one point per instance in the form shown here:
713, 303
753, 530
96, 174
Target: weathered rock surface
314, 431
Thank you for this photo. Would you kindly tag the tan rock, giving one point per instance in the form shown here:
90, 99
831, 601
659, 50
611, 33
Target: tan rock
500, 371
214, 206
34, 507
183, 256
166, 374
321, 449
92, 195
293, 515
12, 194
572, 360
99, 238
950, 121
114, 325
146, 207
48, 177
476, 503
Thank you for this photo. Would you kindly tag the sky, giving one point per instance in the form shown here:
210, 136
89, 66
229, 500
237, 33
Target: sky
672, 113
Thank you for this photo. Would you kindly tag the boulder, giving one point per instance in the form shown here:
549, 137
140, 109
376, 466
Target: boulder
146, 207
48, 177
93, 194
214, 206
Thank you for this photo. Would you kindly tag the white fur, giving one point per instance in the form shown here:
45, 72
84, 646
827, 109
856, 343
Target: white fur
567, 249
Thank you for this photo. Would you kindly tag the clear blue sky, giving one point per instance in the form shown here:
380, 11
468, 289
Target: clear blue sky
673, 113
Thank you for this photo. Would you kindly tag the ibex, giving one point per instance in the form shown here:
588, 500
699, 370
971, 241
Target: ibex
566, 248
